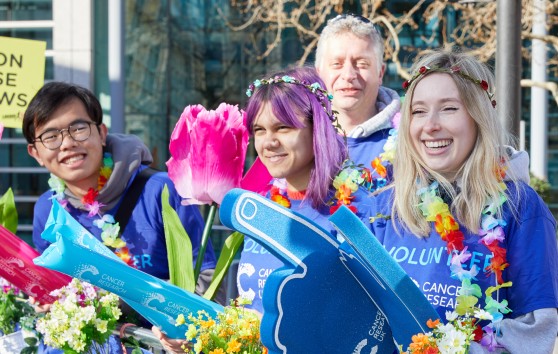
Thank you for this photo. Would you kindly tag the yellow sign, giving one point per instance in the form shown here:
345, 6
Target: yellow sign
22, 74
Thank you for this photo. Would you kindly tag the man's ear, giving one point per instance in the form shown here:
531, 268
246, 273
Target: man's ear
32, 150
103, 132
382, 72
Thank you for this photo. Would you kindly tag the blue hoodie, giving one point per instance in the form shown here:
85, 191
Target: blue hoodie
144, 234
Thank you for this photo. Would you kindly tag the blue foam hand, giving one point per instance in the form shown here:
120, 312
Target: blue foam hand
312, 304
382, 278
155, 299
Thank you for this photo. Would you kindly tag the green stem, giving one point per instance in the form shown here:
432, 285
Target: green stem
205, 239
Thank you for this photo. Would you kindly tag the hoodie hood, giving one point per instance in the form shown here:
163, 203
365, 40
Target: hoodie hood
128, 153
388, 103
518, 164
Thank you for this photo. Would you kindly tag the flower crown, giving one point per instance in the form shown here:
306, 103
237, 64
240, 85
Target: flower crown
315, 88
455, 70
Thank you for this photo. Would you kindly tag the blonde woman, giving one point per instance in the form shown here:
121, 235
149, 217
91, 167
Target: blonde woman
462, 215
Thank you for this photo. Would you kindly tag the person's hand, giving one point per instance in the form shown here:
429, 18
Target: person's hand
170, 345
38, 307
258, 313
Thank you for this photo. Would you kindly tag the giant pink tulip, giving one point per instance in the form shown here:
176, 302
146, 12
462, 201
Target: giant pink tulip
208, 150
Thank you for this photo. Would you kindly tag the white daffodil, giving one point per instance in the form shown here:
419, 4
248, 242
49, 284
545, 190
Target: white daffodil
451, 315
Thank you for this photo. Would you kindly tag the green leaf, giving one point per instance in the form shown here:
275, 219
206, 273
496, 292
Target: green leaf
179, 247
8, 212
29, 350
230, 248
137, 351
31, 341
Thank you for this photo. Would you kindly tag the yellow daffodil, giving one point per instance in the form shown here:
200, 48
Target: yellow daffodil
180, 320
233, 346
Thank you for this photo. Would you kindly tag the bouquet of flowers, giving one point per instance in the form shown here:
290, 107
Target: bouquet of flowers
11, 310
237, 330
454, 337
81, 320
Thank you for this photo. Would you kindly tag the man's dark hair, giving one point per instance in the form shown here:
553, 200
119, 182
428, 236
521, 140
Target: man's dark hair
53, 96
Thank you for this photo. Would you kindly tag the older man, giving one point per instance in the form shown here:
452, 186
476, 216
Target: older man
349, 60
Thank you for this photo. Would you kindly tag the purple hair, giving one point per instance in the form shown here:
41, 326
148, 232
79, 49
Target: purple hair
288, 102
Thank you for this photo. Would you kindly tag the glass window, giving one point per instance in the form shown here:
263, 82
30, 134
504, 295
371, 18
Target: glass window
25, 10
49, 68
37, 34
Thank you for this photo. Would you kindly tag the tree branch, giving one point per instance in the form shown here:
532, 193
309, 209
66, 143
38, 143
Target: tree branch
550, 86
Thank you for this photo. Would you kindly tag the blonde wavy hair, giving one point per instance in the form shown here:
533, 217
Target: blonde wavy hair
477, 175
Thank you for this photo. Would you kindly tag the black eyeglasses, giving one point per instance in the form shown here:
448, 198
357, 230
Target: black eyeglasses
52, 139
358, 17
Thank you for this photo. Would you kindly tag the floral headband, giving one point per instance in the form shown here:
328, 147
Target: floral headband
455, 70
315, 88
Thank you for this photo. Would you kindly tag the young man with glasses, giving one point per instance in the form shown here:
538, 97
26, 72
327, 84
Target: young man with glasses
66, 134
349, 59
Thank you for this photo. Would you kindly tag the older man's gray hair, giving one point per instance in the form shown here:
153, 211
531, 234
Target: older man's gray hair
355, 26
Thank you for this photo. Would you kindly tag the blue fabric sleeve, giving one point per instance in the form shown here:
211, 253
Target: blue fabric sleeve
533, 263
40, 217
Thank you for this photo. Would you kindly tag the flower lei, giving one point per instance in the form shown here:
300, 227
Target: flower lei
347, 183
279, 192
492, 233
106, 222
424, 70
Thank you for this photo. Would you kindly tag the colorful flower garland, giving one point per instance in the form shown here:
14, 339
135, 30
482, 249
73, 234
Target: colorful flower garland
106, 222
492, 233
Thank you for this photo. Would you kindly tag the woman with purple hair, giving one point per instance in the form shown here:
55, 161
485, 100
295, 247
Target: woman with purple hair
291, 120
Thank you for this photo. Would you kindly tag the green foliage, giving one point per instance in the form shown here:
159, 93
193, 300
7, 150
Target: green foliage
30, 350
132, 342
11, 311
179, 247
540, 186
8, 212
132, 317
230, 248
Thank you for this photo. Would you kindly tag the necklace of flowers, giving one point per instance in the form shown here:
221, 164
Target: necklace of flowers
492, 233
106, 222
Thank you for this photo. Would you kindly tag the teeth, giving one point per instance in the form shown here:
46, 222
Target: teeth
275, 158
73, 159
437, 144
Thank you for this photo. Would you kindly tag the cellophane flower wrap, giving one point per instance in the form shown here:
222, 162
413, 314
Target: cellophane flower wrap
208, 150
237, 330
81, 320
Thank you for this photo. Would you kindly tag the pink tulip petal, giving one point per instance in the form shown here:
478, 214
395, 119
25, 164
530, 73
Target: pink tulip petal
214, 149
1, 129
257, 179
208, 149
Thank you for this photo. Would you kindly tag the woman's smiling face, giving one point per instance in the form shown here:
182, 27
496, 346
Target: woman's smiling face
287, 152
442, 131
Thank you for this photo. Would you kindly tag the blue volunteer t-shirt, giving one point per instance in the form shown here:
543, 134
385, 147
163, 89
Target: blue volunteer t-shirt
144, 235
530, 241
256, 263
